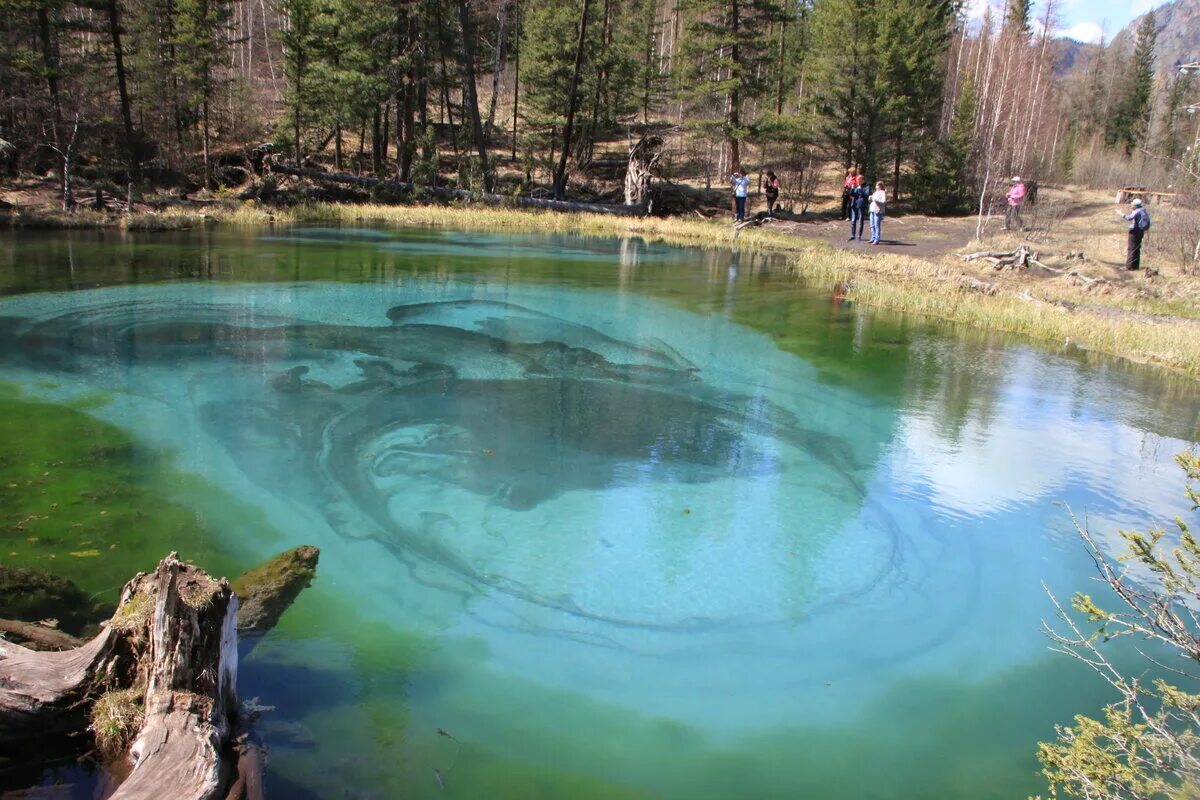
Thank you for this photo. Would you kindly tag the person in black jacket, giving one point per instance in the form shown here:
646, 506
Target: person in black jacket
859, 196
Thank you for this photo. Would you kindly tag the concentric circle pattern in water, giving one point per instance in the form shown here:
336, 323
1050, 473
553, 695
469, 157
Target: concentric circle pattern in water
633, 522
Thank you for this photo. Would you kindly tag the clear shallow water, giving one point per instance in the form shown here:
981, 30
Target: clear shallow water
625, 520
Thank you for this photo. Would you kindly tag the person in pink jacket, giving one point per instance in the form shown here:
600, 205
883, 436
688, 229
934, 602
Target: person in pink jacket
1016, 196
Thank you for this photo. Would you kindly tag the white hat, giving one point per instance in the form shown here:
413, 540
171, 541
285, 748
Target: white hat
1137, 201
1016, 179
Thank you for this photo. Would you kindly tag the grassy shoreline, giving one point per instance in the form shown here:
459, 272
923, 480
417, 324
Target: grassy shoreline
1113, 324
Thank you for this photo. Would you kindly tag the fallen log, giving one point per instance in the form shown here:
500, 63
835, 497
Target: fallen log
169, 656
38, 636
445, 193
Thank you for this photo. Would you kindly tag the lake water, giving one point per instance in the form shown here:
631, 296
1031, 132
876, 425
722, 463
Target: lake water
623, 520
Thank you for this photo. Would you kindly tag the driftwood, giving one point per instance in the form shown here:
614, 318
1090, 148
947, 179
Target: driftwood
172, 644
1012, 259
444, 193
41, 693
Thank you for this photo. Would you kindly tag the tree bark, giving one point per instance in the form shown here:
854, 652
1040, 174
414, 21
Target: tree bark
50, 64
516, 88
601, 83
470, 97
406, 30
41, 692
733, 119
114, 29
780, 66
497, 64
560, 173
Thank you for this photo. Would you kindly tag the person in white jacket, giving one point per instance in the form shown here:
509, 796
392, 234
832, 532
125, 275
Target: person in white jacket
878, 206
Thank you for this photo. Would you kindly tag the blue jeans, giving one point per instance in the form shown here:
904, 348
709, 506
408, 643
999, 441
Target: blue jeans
856, 222
876, 225
740, 202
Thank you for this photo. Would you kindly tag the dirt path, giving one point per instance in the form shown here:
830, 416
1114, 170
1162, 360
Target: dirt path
910, 235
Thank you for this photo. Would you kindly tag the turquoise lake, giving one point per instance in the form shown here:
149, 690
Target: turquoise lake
598, 518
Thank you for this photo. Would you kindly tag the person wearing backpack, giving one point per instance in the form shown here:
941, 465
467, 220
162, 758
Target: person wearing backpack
1139, 224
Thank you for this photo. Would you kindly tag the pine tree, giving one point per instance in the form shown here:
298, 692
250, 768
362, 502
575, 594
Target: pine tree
1017, 16
940, 182
843, 65
651, 83
201, 40
911, 41
1130, 119
720, 62
300, 38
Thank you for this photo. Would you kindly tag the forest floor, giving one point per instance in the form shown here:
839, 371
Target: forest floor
1091, 302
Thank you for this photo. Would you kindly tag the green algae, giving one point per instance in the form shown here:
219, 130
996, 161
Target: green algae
81, 500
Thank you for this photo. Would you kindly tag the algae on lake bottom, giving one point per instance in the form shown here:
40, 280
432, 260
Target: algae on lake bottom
81, 500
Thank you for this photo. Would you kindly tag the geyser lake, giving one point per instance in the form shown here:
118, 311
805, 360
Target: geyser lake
625, 520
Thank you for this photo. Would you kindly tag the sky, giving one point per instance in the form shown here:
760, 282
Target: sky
1084, 20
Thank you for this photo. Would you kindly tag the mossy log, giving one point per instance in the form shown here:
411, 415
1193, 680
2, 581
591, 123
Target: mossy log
172, 643
266, 591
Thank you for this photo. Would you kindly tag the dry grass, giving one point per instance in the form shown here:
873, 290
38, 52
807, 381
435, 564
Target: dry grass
134, 614
115, 720
1054, 311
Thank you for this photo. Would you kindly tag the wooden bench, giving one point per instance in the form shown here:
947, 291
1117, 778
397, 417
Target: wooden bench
1128, 193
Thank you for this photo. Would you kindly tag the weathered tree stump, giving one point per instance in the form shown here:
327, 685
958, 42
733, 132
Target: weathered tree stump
164, 670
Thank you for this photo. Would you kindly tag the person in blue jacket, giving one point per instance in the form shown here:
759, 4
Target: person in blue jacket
860, 195
741, 186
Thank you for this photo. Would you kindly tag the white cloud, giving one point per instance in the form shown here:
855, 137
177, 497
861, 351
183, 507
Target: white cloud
1089, 32
976, 8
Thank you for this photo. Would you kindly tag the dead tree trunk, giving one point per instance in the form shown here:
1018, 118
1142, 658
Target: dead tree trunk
642, 160
470, 98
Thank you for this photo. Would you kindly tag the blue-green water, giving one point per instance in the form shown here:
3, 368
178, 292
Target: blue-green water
624, 520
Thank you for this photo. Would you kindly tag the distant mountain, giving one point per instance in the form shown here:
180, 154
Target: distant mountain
1178, 35
1069, 53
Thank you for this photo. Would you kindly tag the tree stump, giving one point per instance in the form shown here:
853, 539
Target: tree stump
160, 681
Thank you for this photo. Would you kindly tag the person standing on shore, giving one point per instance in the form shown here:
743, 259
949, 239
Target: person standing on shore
741, 186
1015, 197
772, 190
1139, 223
848, 184
878, 206
859, 196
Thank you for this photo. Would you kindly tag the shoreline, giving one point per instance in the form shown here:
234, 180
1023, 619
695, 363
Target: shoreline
1041, 310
